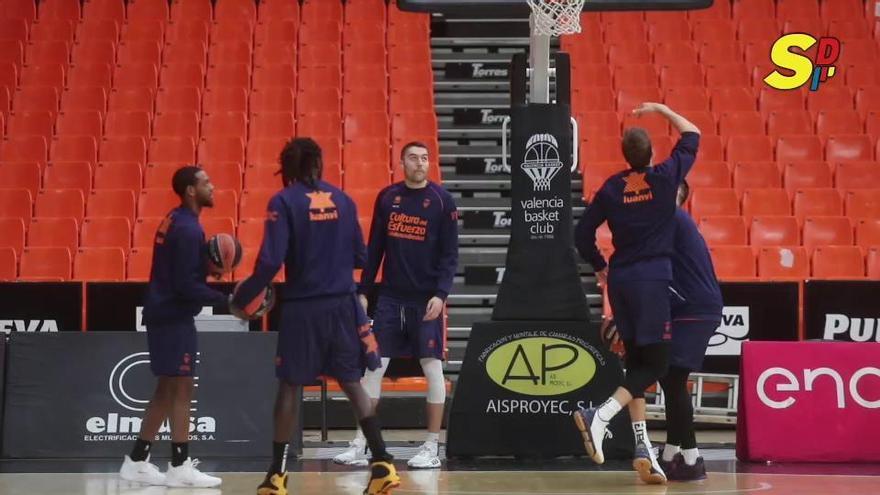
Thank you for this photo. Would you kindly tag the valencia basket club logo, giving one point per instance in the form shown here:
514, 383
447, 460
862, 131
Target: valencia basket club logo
542, 161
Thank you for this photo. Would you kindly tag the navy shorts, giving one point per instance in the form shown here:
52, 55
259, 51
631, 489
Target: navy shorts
401, 333
641, 310
690, 339
319, 337
173, 349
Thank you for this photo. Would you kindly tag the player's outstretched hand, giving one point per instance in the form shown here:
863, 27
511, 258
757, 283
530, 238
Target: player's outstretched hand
371, 348
435, 306
602, 277
650, 107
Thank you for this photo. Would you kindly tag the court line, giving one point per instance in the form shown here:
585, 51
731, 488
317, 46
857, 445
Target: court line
760, 488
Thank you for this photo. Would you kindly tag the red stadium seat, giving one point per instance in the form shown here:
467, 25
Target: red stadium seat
99, 263
838, 262
176, 124
856, 175
123, 149
16, 203
713, 202
841, 148
817, 202
749, 148
68, 175
53, 232
783, 263
863, 203
733, 262
827, 231
139, 264
111, 203
794, 122
765, 202
118, 175
756, 175
741, 123
156, 202
20, 175
60, 203
46, 263
798, 148
724, 230
805, 175
254, 201
128, 124
8, 264
144, 231
774, 231
106, 232
13, 234
868, 232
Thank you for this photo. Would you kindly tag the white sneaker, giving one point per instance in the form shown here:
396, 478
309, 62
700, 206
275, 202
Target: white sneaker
186, 475
354, 455
141, 472
427, 457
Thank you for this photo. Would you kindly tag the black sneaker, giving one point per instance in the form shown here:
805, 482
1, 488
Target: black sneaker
681, 471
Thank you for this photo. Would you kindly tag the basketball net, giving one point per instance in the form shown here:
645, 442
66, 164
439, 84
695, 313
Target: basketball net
556, 17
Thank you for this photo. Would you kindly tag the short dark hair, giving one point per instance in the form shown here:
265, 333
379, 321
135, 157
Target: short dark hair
636, 147
413, 144
302, 161
184, 177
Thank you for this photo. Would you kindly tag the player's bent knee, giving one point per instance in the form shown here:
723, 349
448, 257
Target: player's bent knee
372, 380
433, 369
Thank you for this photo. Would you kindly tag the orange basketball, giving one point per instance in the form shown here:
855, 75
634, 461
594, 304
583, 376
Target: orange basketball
224, 253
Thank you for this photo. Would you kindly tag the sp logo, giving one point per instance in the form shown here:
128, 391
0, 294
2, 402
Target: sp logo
815, 71
541, 366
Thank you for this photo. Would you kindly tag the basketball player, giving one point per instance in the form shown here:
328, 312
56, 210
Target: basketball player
415, 232
311, 227
639, 206
696, 313
176, 293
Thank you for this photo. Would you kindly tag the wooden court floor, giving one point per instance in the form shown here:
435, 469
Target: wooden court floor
459, 483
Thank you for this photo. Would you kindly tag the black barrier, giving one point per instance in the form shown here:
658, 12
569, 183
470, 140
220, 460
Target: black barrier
752, 311
2, 380
519, 383
842, 310
541, 252
480, 71
480, 166
479, 116
83, 395
41, 307
117, 306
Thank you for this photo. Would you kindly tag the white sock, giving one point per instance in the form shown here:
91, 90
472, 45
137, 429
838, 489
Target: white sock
640, 430
432, 438
608, 409
359, 437
669, 452
690, 456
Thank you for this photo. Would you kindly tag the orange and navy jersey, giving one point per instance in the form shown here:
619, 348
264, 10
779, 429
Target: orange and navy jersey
414, 236
314, 233
177, 289
639, 206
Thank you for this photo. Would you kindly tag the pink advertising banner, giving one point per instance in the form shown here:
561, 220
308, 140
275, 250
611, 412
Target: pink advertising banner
809, 402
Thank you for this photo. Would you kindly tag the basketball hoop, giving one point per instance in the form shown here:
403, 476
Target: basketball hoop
557, 17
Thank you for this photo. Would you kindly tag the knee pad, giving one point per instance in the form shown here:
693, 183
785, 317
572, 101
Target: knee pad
372, 380
433, 369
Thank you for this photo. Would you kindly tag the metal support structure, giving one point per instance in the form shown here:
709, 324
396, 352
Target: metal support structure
539, 61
